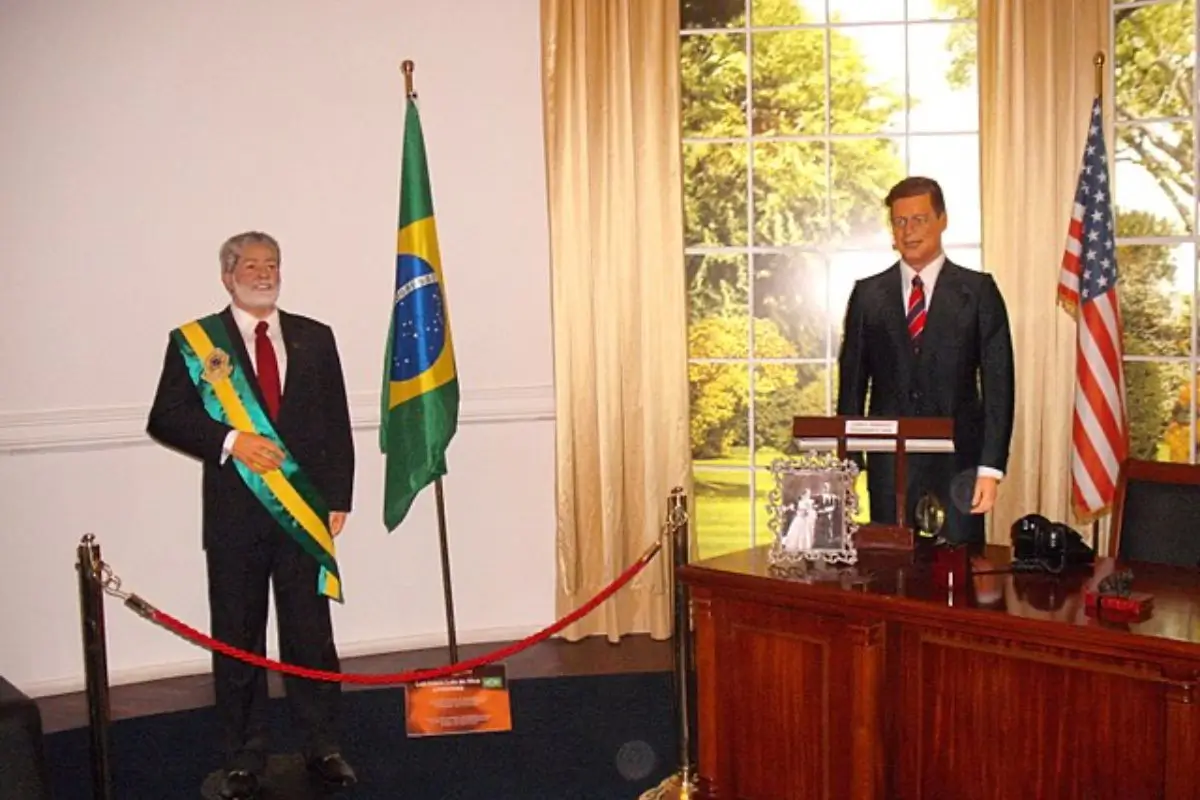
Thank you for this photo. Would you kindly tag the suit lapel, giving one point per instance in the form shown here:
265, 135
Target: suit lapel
294, 344
893, 315
947, 301
243, 355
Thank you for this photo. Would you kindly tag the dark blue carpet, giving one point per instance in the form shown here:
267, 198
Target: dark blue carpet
580, 738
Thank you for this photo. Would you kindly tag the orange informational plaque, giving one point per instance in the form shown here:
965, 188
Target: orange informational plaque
470, 702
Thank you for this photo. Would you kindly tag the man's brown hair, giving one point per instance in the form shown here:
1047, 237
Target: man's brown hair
916, 186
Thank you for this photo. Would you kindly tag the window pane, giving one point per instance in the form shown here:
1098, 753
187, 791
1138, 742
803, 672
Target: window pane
1155, 60
867, 75
858, 11
1159, 421
720, 337
789, 82
764, 484
1156, 286
844, 269
714, 192
942, 85
1156, 176
942, 9
789, 193
713, 13
769, 13
714, 85
863, 172
953, 161
782, 392
790, 291
717, 286
722, 510
720, 411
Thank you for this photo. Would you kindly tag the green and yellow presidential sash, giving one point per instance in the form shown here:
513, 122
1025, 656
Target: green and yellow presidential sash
229, 398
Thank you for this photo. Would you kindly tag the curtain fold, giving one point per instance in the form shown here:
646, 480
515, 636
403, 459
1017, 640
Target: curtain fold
611, 101
1037, 82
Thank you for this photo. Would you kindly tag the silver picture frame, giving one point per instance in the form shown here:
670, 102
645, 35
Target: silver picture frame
811, 511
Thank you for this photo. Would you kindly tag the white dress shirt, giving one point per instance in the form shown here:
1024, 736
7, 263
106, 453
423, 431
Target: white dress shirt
246, 323
929, 275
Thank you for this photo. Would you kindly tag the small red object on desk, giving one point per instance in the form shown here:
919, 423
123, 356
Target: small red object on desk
1135, 604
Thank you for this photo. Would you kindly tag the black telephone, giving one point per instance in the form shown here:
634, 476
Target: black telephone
1039, 545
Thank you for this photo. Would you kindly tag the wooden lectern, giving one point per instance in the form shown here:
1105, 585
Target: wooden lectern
878, 435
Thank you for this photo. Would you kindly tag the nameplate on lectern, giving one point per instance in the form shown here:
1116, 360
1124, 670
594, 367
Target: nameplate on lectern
872, 427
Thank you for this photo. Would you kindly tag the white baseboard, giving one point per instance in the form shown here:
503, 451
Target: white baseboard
202, 666
103, 427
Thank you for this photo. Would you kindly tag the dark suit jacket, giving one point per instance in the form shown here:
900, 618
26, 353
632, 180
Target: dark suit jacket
964, 368
314, 423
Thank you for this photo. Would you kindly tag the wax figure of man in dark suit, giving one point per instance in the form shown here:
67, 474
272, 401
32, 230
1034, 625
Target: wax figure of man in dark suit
292, 368
928, 338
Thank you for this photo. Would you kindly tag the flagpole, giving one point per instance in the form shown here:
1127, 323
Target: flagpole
407, 67
446, 586
1098, 63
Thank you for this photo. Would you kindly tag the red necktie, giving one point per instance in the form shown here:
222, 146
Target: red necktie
916, 309
268, 369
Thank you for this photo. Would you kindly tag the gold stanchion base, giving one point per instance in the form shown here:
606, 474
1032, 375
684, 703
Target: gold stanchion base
680, 786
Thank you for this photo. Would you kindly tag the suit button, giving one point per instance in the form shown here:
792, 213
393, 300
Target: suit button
914, 395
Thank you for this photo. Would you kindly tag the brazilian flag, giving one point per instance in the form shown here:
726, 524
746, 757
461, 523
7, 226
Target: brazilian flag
419, 414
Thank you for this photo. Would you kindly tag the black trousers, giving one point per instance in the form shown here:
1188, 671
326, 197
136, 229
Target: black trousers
238, 581
926, 472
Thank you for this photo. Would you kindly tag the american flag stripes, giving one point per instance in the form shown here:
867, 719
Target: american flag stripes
1087, 288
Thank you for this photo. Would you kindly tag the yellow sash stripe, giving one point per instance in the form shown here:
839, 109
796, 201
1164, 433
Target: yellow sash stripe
299, 509
239, 418
332, 586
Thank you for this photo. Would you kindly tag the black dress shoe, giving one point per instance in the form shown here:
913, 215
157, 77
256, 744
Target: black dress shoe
333, 770
238, 784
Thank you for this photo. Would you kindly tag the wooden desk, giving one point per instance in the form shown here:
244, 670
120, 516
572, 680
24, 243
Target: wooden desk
890, 688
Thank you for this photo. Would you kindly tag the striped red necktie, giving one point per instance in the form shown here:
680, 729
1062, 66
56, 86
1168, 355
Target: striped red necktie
916, 310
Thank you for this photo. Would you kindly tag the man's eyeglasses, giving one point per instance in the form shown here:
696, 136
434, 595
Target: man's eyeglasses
916, 222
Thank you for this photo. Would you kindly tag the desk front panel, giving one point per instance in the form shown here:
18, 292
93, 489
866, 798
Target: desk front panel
809, 693
978, 716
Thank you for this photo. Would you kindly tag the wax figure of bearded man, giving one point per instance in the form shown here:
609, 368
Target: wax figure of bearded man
258, 396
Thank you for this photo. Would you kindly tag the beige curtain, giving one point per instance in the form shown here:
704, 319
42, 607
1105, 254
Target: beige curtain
611, 100
1037, 83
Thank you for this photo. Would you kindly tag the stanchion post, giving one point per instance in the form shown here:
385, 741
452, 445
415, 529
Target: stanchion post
681, 785
95, 661
678, 521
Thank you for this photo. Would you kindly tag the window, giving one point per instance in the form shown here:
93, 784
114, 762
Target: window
1154, 188
798, 117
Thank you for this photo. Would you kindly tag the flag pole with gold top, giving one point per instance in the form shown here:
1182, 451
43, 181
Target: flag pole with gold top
420, 390
1098, 63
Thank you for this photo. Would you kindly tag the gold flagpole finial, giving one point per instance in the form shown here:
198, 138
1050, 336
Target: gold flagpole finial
1098, 60
407, 67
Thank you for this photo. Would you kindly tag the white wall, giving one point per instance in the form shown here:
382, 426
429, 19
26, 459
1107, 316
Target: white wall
135, 135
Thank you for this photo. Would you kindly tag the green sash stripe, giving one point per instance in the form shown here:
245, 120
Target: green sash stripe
214, 326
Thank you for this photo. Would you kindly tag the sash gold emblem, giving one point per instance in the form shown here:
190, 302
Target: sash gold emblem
217, 367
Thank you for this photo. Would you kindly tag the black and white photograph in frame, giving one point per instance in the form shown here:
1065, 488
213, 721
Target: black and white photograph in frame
811, 510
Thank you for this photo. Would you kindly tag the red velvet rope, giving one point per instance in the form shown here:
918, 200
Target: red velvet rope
197, 637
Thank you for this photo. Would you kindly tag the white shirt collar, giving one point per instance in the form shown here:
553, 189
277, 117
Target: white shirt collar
247, 322
929, 274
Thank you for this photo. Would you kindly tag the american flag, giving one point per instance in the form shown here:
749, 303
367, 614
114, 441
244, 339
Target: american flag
1087, 288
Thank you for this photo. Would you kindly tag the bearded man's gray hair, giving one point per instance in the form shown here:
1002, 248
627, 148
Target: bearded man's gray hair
231, 251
